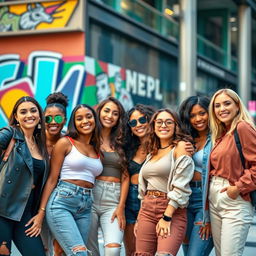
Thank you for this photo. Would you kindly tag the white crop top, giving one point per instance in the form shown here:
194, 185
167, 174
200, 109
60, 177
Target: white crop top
77, 166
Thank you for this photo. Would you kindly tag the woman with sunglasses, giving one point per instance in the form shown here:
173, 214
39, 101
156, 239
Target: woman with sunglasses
194, 115
137, 131
111, 186
55, 119
22, 178
164, 188
75, 163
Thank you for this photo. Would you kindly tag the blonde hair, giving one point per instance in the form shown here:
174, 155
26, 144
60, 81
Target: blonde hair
218, 127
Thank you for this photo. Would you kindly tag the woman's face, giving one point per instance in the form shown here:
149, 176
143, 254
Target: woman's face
164, 126
199, 118
225, 108
139, 124
84, 121
109, 115
27, 115
54, 120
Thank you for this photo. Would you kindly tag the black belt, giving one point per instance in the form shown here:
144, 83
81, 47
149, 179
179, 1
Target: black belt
195, 184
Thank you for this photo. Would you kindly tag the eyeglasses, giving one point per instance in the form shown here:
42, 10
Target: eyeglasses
167, 122
58, 119
141, 120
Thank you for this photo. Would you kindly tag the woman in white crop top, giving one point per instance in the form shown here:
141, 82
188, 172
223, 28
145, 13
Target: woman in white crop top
164, 188
75, 159
111, 186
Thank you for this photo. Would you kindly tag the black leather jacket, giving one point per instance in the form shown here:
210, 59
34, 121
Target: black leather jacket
16, 177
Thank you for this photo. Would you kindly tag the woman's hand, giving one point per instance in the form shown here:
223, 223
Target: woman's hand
232, 192
189, 147
205, 232
119, 214
163, 228
36, 227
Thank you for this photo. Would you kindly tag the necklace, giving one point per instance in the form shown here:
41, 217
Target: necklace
32, 145
165, 147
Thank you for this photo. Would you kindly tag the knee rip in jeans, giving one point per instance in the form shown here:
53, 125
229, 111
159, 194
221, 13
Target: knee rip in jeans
79, 248
163, 254
4, 249
112, 249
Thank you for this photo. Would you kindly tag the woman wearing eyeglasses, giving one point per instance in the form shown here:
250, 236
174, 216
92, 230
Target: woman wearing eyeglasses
55, 119
137, 131
164, 188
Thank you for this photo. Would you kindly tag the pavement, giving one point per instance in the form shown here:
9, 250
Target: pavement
250, 247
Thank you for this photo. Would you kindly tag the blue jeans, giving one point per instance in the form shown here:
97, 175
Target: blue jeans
68, 214
196, 245
132, 205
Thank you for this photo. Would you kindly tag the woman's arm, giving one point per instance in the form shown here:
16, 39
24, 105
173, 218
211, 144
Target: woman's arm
119, 212
182, 173
59, 152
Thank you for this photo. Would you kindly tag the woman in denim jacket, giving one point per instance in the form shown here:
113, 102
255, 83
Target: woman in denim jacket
194, 115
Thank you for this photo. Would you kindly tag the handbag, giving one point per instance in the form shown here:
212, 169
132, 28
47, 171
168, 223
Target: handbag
6, 153
239, 147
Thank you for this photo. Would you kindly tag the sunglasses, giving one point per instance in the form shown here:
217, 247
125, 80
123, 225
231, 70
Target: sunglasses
58, 119
141, 120
167, 122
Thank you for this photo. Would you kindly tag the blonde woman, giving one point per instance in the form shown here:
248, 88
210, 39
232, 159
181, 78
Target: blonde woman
231, 211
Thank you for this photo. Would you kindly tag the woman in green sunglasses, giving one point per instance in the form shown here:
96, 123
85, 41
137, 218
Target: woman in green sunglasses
55, 119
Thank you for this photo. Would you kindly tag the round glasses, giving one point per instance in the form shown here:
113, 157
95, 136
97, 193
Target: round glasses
58, 119
167, 122
141, 120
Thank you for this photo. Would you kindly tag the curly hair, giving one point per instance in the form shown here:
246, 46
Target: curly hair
59, 100
132, 142
178, 134
117, 133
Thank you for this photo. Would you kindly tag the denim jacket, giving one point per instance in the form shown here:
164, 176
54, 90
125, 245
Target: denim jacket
16, 176
205, 177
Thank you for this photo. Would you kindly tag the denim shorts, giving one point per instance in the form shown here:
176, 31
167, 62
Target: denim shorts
132, 205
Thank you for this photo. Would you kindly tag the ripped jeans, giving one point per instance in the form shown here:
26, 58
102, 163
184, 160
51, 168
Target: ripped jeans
68, 214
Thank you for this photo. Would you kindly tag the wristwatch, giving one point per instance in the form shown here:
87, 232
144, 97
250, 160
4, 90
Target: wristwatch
167, 218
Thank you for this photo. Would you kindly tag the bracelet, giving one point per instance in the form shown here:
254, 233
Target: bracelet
42, 208
167, 218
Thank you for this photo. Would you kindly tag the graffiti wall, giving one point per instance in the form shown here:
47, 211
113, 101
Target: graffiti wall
40, 16
83, 79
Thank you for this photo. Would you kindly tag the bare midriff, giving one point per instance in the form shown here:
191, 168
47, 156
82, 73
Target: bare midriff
81, 183
197, 176
109, 179
135, 179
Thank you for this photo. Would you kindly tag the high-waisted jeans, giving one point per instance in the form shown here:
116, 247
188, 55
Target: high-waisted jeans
106, 199
230, 219
147, 241
196, 246
68, 214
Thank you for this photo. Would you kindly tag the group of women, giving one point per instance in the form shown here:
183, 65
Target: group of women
153, 179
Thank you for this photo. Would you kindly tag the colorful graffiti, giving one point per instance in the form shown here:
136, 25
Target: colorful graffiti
83, 79
36, 16
41, 74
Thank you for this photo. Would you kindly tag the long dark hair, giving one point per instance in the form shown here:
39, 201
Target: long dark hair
178, 135
39, 132
72, 130
185, 110
132, 141
117, 133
